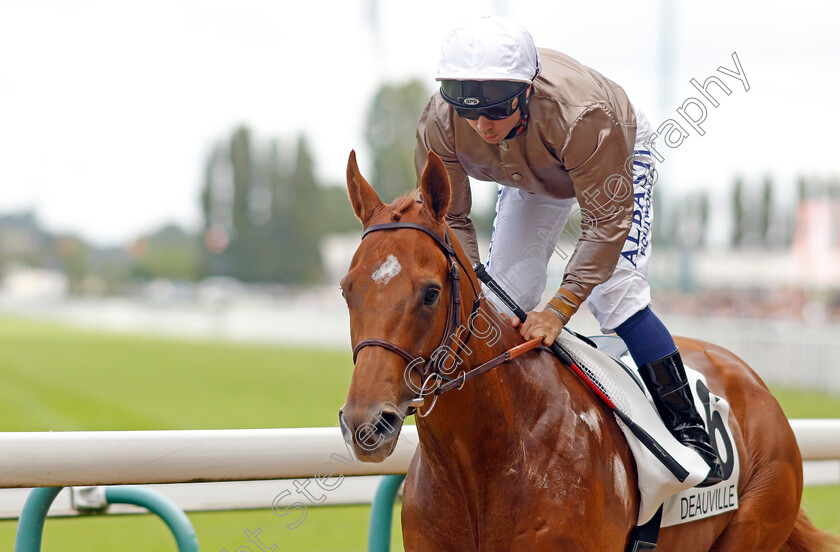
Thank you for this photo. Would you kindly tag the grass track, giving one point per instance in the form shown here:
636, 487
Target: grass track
333, 529
63, 379
60, 379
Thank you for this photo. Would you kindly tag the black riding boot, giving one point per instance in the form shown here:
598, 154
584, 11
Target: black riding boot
666, 381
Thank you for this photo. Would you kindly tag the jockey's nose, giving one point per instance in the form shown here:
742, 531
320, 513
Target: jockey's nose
484, 124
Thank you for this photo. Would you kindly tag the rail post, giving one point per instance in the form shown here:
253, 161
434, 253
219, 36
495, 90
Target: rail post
382, 512
31, 524
160, 505
32, 517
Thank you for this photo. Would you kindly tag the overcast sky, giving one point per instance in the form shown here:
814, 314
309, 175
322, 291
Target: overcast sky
108, 109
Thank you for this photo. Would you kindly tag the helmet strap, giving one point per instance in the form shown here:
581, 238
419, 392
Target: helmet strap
519, 128
523, 121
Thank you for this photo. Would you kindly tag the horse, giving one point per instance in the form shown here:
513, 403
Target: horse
523, 457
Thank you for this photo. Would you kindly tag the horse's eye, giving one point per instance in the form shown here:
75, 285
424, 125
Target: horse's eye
431, 296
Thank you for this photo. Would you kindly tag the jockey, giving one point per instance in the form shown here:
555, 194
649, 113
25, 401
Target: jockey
554, 133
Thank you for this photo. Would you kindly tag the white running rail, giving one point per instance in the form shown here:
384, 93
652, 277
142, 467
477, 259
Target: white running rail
62, 459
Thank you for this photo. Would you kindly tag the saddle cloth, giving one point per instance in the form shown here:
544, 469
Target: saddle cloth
612, 368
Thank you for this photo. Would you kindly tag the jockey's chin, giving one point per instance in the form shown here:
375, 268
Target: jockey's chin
494, 132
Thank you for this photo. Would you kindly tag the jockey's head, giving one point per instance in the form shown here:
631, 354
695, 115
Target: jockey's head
485, 71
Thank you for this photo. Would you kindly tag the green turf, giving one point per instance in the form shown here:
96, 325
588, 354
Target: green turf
57, 378
822, 504
333, 529
61, 379
804, 404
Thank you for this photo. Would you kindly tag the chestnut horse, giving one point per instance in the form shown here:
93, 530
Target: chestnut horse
523, 457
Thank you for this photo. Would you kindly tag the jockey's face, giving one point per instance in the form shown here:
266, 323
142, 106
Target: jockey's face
494, 132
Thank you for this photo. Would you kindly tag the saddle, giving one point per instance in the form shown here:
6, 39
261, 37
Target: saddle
665, 500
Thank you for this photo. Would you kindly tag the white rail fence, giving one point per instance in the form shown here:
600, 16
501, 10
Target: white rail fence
65, 459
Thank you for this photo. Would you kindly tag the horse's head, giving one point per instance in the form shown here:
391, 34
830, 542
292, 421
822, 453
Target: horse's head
398, 291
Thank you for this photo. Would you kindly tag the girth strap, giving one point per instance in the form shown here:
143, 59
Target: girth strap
644, 537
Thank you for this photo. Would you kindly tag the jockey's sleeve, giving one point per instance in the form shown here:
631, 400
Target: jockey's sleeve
596, 156
434, 133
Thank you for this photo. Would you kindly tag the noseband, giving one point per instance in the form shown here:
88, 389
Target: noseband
430, 369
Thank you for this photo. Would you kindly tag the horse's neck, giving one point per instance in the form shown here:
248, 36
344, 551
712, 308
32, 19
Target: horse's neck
484, 334
493, 405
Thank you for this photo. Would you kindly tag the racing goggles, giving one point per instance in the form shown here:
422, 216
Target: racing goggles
495, 100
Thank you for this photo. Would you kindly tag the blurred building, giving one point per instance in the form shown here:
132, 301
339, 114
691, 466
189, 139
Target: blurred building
22, 282
816, 242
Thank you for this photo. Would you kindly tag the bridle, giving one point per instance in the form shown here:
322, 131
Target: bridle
430, 372
434, 380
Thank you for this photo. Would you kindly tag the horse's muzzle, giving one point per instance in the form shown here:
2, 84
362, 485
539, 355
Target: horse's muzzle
372, 435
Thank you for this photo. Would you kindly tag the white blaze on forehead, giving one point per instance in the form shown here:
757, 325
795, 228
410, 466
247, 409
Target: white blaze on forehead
387, 270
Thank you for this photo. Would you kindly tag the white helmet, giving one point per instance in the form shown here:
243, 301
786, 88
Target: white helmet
491, 48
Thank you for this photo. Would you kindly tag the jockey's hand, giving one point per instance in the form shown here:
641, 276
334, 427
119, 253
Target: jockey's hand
540, 324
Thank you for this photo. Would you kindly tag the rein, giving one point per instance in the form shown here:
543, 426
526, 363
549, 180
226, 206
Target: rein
507, 356
430, 371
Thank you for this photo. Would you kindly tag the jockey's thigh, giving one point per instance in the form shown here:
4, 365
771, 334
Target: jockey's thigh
525, 231
627, 291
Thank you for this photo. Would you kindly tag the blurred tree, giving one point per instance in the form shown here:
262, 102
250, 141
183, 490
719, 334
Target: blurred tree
702, 217
263, 212
216, 206
738, 218
310, 227
171, 253
74, 258
298, 222
23, 241
390, 131
801, 189
281, 225
207, 195
244, 243
338, 213
766, 213
833, 187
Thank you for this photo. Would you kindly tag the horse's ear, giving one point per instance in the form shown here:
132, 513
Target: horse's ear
434, 187
362, 195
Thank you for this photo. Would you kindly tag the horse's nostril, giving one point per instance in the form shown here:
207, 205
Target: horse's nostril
388, 424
